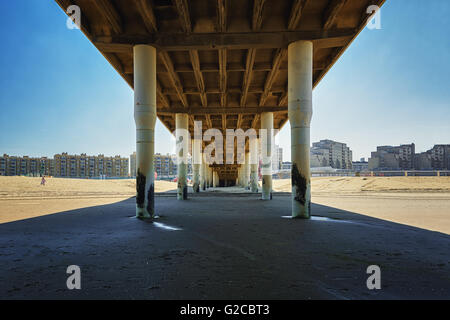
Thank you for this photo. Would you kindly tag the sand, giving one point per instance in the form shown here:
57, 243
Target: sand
24, 187
23, 197
422, 202
346, 185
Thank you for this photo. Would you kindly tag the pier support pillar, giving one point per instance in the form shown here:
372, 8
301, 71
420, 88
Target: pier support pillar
254, 165
145, 118
182, 137
210, 175
202, 175
300, 66
196, 161
247, 170
266, 140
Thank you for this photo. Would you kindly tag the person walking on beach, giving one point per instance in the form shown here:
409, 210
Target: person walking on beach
43, 181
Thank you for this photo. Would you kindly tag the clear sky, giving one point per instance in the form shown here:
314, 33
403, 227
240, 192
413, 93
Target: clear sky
58, 93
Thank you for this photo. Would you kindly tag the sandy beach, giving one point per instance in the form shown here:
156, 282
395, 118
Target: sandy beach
422, 202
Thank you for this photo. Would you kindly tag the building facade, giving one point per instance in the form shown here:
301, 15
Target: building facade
440, 157
165, 165
82, 166
14, 166
65, 165
133, 172
277, 159
393, 158
329, 153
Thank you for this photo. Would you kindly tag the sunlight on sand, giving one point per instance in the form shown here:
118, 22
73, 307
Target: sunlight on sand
422, 202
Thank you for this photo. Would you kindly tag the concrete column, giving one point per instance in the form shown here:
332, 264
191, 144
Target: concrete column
247, 170
300, 66
202, 175
181, 125
216, 179
207, 176
254, 165
243, 173
267, 124
145, 117
211, 177
196, 160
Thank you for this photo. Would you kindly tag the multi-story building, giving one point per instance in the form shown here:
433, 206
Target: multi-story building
393, 157
329, 153
422, 161
133, 164
165, 165
440, 157
65, 165
277, 159
13, 166
3, 165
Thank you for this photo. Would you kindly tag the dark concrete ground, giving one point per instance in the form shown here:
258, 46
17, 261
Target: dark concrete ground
229, 247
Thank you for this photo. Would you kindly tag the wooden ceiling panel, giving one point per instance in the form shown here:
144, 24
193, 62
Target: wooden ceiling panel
221, 53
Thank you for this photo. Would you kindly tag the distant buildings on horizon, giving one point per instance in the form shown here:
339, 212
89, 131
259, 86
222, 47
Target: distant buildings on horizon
65, 165
329, 153
404, 157
324, 154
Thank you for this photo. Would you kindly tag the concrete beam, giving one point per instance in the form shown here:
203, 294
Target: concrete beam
214, 41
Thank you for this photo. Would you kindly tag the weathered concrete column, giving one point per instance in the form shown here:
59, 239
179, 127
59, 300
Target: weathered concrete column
202, 175
254, 165
247, 170
300, 65
240, 170
267, 124
196, 160
181, 125
206, 176
243, 173
210, 175
145, 118
216, 179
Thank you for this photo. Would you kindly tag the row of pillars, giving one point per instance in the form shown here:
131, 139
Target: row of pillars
300, 64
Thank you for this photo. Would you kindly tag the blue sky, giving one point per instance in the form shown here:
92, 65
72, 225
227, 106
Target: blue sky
58, 93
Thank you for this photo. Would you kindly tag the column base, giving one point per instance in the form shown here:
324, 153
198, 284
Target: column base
142, 214
182, 193
196, 187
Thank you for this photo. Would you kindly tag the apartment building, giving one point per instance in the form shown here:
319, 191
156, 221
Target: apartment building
440, 157
13, 166
277, 159
65, 165
329, 153
166, 166
133, 164
81, 166
393, 157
